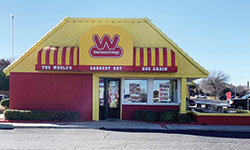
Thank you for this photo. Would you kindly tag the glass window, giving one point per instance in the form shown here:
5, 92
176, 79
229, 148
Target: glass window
101, 92
135, 91
165, 91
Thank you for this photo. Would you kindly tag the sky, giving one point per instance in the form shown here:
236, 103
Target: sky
215, 33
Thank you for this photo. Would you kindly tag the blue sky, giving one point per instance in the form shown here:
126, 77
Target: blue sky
215, 33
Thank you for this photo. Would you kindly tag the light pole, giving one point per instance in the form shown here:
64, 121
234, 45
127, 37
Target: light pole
248, 87
235, 89
12, 37
248, 93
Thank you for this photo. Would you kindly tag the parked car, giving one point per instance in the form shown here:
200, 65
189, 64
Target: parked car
201, 96
224, 97
3, 96
240, 103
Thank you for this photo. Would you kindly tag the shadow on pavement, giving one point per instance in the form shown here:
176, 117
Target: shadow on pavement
220, 134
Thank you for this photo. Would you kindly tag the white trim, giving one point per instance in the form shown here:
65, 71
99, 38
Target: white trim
122, 92
150, 94
179, 91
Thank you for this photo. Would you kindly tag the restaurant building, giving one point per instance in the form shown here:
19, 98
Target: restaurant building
103, 68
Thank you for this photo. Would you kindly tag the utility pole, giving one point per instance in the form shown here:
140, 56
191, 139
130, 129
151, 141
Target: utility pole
235, 91
248, 86
248, 93
12, 37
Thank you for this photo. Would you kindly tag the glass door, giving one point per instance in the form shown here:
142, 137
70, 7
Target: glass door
102, 113
109, 98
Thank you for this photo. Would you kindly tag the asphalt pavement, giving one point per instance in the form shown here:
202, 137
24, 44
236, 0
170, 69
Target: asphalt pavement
79, 139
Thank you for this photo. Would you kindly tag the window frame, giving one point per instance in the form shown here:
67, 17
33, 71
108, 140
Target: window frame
150, 89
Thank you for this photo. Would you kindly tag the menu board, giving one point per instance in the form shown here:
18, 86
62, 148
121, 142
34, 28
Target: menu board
164, 92
134, 92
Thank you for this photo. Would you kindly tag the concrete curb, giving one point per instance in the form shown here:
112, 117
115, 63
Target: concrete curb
127, 126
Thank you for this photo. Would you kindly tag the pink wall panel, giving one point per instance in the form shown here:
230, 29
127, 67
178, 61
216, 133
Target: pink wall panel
52, 91
223, 120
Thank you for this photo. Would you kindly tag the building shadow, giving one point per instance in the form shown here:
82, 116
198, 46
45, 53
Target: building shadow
218, 134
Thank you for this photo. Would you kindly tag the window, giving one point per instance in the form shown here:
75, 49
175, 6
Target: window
165, 91
135, 91
151, 91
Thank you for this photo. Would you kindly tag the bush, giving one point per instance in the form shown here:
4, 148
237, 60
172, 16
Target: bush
5, 102
184, 119
168, 116
33, 115
151, 116
139, 115
145, 115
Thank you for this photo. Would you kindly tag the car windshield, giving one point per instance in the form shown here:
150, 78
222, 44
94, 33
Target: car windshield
245, 96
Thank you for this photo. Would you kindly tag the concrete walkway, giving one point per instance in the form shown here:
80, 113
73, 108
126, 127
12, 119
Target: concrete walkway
126, 125
118, 124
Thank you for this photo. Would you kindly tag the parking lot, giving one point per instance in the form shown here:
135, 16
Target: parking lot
102, 139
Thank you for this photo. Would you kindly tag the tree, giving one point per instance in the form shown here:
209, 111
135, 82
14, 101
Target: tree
3, 64
238, 90
241, 90
4, 80
195, 89
215, 83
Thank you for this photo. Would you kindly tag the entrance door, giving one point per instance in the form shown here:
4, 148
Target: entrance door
109, 98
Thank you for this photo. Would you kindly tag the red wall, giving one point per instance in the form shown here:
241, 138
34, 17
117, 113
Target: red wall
128, 110
52, 91
223, 120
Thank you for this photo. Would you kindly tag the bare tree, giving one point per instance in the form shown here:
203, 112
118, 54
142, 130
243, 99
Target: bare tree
195, 89
4, 80
3, 64
215, 83
241, 90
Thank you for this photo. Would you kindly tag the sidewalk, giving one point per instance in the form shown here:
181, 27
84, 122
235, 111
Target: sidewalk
126, 126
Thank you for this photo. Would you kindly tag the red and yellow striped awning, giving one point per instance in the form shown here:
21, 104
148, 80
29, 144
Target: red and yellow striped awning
160, 58
58, 58
145, 59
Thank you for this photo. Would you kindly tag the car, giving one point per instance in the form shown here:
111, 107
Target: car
201, 96
3, 96
240, 103
224, 97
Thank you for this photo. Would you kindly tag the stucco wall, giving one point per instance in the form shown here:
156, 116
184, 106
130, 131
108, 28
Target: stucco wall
52, 91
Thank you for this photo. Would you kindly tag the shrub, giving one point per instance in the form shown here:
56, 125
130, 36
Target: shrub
5, 102
34, 115
151, 116
145, 115
184, 119
168, 116
139, 115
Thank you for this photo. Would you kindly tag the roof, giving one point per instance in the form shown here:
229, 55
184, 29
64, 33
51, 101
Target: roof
67, 20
